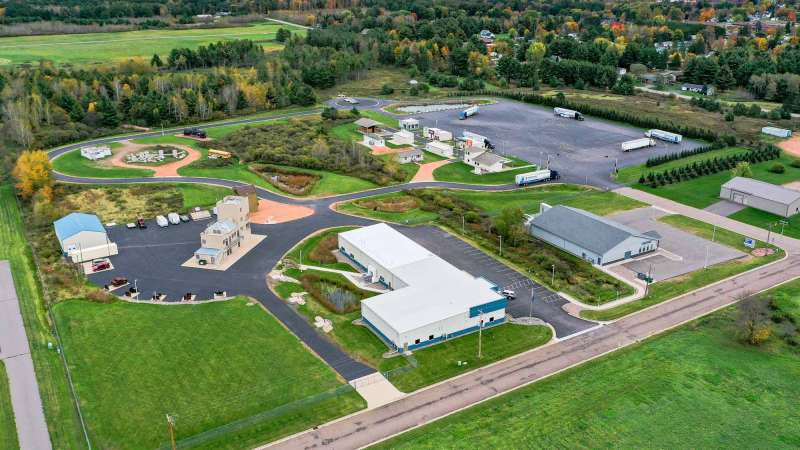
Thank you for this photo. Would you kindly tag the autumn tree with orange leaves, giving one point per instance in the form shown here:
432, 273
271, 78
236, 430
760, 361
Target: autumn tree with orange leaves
34, 176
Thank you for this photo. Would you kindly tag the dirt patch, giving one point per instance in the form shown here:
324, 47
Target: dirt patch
270, 212
164, 170
323, 251
397, 204
791, 146
292, 182
425, 172
378, 150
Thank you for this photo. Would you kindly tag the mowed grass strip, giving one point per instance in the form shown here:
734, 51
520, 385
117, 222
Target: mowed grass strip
693, 387
8, 428
459, 172
209, 364
62, 420
669, 289
74, 164
91, 48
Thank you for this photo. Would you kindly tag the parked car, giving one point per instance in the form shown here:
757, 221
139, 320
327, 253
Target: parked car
174, 218
119, 281
162, 221
509, 294
351, 100
196, 132
185, 218
130, 225
140, 223
100, 265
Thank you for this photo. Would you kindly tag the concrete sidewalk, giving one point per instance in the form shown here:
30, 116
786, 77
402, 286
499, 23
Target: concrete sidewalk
15, 354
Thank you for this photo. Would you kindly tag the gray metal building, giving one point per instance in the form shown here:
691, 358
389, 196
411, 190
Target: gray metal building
760, 195
589, 236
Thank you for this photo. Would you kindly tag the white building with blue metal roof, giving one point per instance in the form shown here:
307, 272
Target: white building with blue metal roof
82, 237
430, 300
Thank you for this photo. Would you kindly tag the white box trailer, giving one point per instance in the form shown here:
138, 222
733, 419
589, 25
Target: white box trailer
637, 144
471, 111
440, 148
777, 132
476, 140
664, 136
567, 113
535, 177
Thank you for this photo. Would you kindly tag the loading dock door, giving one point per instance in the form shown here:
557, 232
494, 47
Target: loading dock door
739, 198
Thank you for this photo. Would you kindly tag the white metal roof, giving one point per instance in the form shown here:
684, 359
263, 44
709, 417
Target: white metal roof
435, 289
761, 189
386, 246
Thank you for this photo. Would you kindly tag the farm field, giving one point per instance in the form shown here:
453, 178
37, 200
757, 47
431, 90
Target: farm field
8, 430
95, 48
63, 423
175, 368
668, 289
697, 386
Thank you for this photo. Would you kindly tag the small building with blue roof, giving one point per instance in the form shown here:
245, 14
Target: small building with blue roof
82, 237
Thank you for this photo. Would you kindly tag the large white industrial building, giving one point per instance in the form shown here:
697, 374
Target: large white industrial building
430, 301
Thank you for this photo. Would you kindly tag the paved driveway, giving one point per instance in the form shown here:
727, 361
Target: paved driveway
547, 305
579, 150
683, 252
725, 208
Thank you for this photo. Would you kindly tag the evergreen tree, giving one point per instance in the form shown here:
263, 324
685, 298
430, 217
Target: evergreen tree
155, 61
107, 111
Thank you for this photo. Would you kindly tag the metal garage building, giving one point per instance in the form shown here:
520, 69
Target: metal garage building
760, 195
83, 237
589, 236
431, 300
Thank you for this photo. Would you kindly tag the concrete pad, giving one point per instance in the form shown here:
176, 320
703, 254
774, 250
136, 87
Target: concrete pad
725, 208
270, 212
248, 244
376, 390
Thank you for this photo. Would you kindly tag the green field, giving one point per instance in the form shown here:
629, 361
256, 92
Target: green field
668, 289
459, 172
301, 252
694, 387
208, 364
62, 420
704, 191
72, 163
201, 195
108, 47
8, 428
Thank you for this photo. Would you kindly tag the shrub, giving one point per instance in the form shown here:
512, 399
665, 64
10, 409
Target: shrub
777, 168
387, 89
795, 163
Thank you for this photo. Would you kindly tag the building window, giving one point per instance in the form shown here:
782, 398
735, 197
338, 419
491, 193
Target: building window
430, 338
416, 341
491, 319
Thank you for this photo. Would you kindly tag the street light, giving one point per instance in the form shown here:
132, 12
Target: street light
553, 276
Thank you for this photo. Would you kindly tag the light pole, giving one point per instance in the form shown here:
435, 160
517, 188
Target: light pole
530, 312
501, 245
553, 276
480, 333
462, 224
714, 234
705, 264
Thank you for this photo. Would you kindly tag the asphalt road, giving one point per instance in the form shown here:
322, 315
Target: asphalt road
15, 353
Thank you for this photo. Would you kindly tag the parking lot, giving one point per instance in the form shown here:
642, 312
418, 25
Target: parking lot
547, 305
680, 252
580, 150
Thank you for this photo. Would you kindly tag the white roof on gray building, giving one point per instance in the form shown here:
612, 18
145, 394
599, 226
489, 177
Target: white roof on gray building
762, 189
489, 159
590, 231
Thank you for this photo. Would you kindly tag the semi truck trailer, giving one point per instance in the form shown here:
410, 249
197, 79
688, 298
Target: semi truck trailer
664, 136
471, 111
636, 144
567, 113
537, 176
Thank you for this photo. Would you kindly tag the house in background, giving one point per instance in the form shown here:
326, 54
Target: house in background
402, 137
366, 125
83, 238
437, 134
409, 124
588, 236
757, 194
373, 140
95, 153
220, 239
440, 148
409, 155
485, 161
704, 89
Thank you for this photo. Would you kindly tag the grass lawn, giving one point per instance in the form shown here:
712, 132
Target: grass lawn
459, 172
74, 164
668, 289
301, 253
704, 191
763, 219
8, 428
440, 362
93, 48
208, 364
59, 410
201, 195
411, 216
693, 387
332, 183
529, 199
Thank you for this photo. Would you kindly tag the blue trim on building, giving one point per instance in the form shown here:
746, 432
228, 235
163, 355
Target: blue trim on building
380, 335
351, 258
456, 334
488, 307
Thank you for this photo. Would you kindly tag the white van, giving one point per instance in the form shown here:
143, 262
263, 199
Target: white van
162, 221
174, 218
